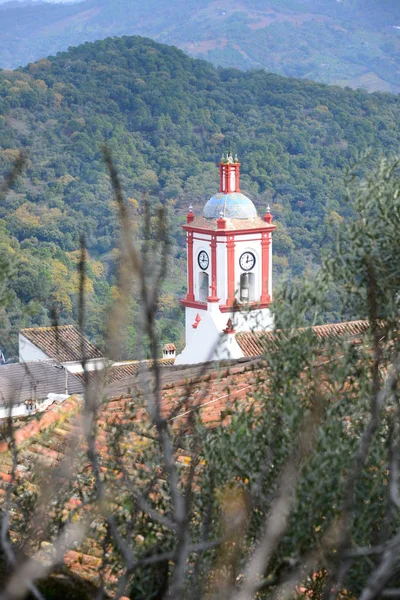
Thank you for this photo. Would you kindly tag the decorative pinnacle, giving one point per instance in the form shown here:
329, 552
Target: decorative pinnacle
221, 214
268, 209
227, 158
190, 208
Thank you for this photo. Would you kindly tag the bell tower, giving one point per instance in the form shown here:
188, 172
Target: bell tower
229, 271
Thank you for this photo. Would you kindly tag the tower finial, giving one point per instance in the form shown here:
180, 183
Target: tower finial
268, 217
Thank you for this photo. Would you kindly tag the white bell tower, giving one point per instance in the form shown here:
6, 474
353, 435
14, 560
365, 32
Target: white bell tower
229, 269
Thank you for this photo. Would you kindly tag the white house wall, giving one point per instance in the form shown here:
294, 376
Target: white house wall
208, 342
28, 352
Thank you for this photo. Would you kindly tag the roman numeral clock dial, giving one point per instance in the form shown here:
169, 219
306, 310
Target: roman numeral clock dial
203, 260
247, 261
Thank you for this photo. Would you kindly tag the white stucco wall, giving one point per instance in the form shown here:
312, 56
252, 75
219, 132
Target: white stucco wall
207, 341
28, 352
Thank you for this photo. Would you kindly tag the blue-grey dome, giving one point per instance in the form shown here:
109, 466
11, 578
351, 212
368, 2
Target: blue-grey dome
233, 206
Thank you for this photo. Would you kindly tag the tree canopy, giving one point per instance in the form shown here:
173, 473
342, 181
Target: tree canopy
166, 119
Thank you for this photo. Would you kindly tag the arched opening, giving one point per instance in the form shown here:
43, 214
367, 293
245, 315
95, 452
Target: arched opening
203, 287
247, 287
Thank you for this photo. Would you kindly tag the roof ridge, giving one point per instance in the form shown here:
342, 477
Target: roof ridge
48, 327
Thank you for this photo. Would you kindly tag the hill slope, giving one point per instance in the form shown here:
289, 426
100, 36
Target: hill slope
351, 42
167, 118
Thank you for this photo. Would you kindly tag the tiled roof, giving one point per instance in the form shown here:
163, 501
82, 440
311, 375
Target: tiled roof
62, 343
170, 376
254, 343
34, 381
121, 371
54, 439
169, 347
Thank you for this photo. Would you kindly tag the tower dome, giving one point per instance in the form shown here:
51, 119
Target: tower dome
229, 202
234, 205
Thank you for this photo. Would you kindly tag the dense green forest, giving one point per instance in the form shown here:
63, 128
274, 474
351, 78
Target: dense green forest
166, 118
346, 42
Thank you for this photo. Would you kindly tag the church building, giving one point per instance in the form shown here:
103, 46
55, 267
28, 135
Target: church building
229, 272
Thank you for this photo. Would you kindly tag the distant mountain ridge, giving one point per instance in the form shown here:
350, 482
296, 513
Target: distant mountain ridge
348, 42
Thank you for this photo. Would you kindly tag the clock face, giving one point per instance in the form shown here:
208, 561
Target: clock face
247, 261
203, 260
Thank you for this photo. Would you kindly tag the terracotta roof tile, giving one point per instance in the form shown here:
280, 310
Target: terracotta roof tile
169, 347
212, 393
254, 343
47, 442
62, 343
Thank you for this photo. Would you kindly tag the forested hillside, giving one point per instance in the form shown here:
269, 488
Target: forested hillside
166, 118
346, 42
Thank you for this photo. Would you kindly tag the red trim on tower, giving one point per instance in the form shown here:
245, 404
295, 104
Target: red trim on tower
190, 294
229, 327
244, 307
265, 245
195, 304
196, 321
230, 246
190, 216
225, 170
225, 232
221, 223
213, 296
237, 177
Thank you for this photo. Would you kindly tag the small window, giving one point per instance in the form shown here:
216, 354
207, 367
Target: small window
247, 287
203, 287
